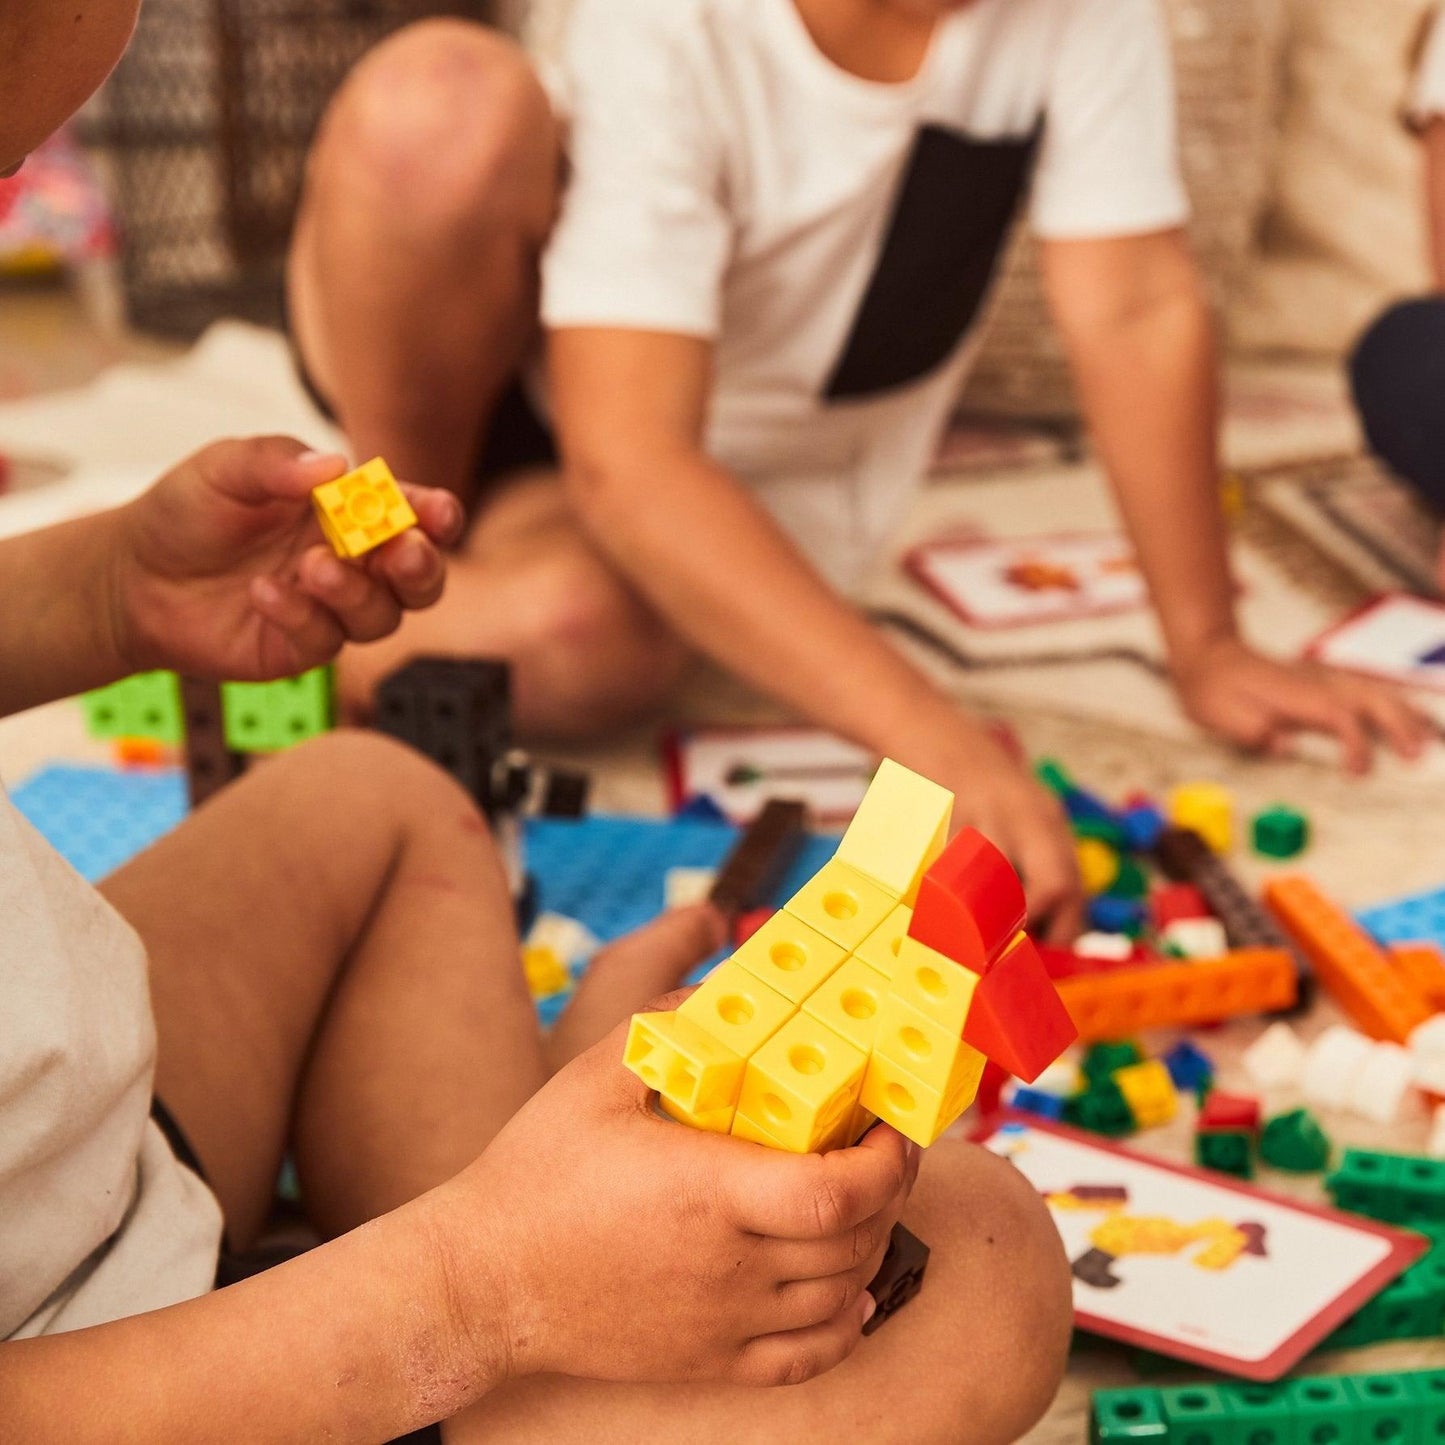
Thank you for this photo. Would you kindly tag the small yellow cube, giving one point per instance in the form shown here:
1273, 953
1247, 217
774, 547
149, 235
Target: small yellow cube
936, 986
843, 905
683, 1062
848, 1001
1208, 808
737, 1008
918, 1043
545, 972
789, 956
916, 1109
802, 1085
880, 949
1149, 1092
899, 829
362, 510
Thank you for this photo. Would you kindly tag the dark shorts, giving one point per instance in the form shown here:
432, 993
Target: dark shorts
234, 1266
517, 438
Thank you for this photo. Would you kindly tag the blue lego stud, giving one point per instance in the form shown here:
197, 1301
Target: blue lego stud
1108, 914
1143, 824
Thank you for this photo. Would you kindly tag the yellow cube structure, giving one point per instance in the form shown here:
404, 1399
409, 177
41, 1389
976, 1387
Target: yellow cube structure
737, 1008
362, 510
789, 956
683, 1062
848, 1001
880, 949
802, 1085
843, 905
936, 986
915, 1108
899, 829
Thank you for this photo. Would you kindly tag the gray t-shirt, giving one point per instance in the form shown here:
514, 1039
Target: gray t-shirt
98, 1219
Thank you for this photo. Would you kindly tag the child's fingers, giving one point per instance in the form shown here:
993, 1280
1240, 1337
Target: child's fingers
685, 935
795, 1259
411, 567
264, 469
439, 512
312, 631
1403, 727
363, 607
798, 1355
803, 1303
815, 1196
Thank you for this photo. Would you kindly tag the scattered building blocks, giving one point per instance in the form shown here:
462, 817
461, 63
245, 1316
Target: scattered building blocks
1280, 832
1424, 965
1109, 914
1295, 1143
1230, 1151
1229, 1111
1131, 882
1398, 1188
1379, 1089
1107, 947
807, 1040
899, 829
147, 705
1101, 1109
760, 857
1104, 1060
1371, 990
1207, 809
362, 510
1062, 1078
266, 717
1142, 824
1194, 938
1331, 1064
970, 905
1189, 1066
1098, 864
1186, 858
1276, 1059
1125, 1001
1171, 902
1149, 1093
1420, 918
1036, 1101
899, 1277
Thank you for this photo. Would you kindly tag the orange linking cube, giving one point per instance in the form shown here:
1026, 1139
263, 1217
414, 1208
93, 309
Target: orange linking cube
362, 510
878, 991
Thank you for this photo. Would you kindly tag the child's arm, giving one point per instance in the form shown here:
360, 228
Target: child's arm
1137, 328
592, 1238
1433, 137
218, 571
630, 407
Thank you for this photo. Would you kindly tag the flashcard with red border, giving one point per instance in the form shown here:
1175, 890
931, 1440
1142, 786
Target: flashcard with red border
1397, 636
1019, 581
1193, 1264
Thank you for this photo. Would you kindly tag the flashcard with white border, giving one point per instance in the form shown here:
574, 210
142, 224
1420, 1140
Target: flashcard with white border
1397, 636
1195, 1265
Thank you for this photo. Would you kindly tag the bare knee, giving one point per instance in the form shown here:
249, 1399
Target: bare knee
443, 123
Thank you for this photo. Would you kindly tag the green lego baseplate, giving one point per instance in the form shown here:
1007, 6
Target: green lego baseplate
1371, 1409
260, 717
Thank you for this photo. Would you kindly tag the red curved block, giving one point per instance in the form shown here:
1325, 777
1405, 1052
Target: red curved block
1017, 1018
970, 903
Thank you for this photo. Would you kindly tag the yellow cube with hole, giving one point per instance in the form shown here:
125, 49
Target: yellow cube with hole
683, 1062
362, 510
789, 956
737, 1008
801, 1087
915, 1108
848, 1001
715, 1121
899, 829
936, 986
920, 1044
1149, 1092
880, 949
843, 905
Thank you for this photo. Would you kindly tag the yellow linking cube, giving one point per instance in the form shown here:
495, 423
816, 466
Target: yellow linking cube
1207, 808
362, 510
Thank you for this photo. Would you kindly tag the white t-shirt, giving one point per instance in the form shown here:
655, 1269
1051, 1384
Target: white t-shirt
833, 236
1427, 101
98, 1219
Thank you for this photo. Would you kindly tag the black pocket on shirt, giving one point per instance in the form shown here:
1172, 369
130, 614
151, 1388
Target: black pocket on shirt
954, 209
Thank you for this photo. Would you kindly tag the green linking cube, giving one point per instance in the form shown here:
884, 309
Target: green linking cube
265, 717
147, 705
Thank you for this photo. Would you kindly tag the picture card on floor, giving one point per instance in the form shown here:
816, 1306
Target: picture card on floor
1193, 1264
1399, 636
1016, 582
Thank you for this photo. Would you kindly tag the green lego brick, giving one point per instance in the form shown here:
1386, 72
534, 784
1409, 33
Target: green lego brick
265, 717
1101, 1109
1230, 1151
1262, 1414
1132, 882
147, 705
1280, 832
1323, 1411
1428, 1389
1295, 1142
1127, 1415
1410, 1307
1198, 1415
1385, 1410
1053, 775
1397, 1188
1103, 1060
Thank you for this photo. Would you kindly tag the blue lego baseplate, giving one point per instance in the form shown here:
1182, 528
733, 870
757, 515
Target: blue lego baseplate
97, 818
1419, 918
606, 872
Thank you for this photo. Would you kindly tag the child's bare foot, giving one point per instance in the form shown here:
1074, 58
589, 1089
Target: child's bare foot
630, 972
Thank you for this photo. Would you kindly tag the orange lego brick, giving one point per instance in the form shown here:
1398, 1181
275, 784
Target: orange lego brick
1115, 1004
1380, 998
1424, 965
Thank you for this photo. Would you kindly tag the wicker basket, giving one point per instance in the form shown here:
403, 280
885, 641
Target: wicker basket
1224, 52
205, 126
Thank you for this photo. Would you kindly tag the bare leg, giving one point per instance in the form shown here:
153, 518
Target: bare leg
587, 653
975, 1357
334, 970
413, 276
